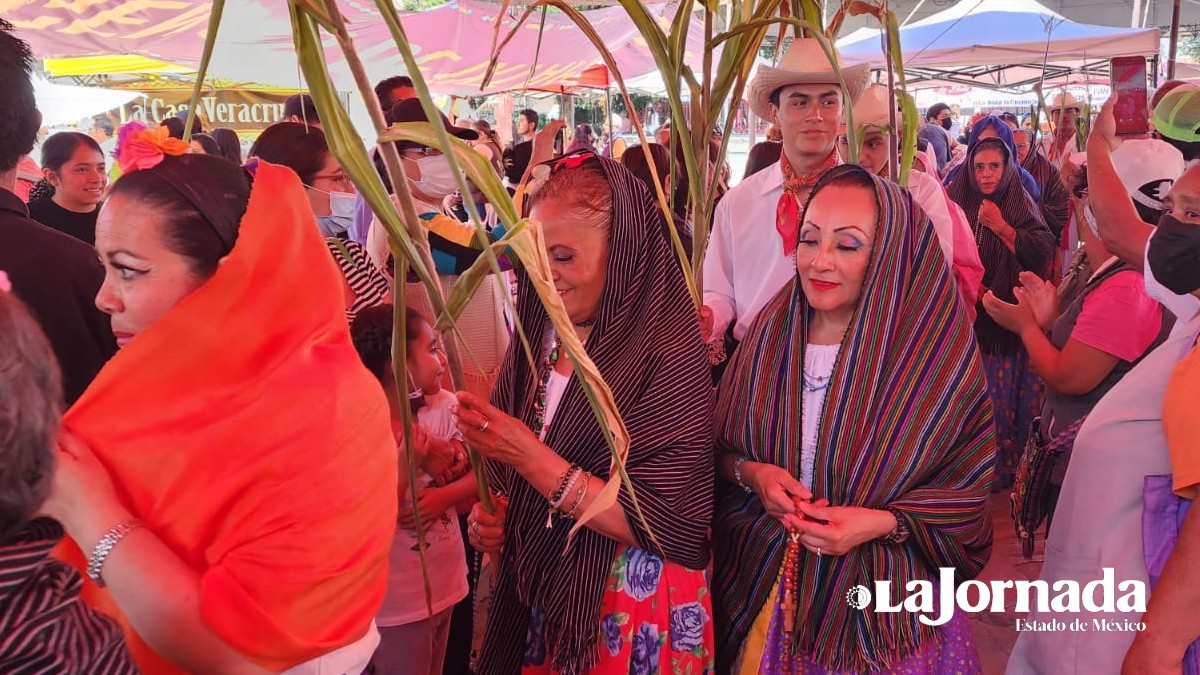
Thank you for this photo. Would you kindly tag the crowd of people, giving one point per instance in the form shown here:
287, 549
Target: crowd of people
205, 465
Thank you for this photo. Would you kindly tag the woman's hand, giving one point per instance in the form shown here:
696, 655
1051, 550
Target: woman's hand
1016, 318
496, 435
485, 530
838, 529
439, 459
991, 218
778, 490
1042, 297
432, 503
82, 496
706, 324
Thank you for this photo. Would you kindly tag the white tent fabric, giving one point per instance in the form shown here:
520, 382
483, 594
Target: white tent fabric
62, 104
1000, 44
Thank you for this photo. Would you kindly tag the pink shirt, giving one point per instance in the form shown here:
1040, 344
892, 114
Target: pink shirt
1119, 318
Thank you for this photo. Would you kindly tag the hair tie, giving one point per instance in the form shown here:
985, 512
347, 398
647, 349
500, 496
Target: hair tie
142, 149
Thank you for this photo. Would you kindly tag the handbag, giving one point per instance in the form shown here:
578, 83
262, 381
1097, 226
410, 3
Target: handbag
1032, 499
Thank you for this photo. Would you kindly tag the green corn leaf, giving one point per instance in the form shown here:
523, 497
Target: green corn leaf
210, 41
530, 249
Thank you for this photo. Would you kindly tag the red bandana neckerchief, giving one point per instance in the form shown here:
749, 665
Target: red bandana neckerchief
787, 213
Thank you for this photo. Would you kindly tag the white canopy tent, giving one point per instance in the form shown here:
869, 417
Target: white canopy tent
1000, 44
62, 104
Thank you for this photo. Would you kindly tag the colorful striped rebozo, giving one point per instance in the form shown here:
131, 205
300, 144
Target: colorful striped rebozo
907, 426
244, 431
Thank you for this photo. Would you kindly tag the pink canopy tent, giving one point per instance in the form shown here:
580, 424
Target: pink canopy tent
254, 43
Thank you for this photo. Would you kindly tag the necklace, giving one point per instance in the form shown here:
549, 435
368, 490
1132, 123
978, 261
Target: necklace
816, 382
540, 426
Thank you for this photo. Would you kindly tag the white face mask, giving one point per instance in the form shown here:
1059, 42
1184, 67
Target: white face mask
437, 180
341, 213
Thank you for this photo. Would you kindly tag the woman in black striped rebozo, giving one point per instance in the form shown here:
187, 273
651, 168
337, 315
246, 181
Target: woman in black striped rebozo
619, 598
1012, 238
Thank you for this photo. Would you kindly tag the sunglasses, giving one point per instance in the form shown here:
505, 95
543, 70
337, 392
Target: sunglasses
542, 172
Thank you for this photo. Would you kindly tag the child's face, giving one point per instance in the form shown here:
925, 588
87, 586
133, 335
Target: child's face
425, 361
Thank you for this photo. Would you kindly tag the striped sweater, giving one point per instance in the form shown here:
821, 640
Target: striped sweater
44, 626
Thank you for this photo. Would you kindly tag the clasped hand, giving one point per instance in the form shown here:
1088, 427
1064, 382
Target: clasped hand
833, 530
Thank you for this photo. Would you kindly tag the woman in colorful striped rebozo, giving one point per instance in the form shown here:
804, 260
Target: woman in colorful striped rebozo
855, 438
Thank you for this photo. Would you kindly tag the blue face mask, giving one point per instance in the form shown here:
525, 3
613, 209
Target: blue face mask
341, 214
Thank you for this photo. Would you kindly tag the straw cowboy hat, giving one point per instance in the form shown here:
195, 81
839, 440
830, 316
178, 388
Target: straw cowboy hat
871, 108
803, 63
1065, 100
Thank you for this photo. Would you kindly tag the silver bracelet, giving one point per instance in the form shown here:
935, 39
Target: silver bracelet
106, 545
737, 473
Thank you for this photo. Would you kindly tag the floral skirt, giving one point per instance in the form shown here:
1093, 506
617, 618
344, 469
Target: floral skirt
1016, 393
767, 649
655, 619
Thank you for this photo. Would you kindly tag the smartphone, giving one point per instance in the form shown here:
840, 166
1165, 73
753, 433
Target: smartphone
1129, 83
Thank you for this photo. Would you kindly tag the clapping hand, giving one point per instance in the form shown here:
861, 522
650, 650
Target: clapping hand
1042, 297
1015, 318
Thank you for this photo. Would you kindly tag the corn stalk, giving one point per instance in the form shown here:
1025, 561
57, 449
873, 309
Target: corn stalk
409, 240
210, 40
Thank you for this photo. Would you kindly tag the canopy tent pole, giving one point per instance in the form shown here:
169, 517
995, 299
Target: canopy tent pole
1174, 40
1135, 20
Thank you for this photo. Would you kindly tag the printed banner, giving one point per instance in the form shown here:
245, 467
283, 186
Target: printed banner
237, 109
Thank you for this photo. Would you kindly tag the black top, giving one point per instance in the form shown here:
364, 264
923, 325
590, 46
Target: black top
57, 277
82, 226
516, 160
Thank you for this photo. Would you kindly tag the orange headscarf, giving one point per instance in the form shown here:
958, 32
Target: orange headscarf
245, 432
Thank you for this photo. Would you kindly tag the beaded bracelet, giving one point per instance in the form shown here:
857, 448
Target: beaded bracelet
583, 490
900, 533
737, 473
556, 499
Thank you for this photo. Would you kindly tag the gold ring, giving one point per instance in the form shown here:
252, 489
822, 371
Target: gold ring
484, 426
818, 551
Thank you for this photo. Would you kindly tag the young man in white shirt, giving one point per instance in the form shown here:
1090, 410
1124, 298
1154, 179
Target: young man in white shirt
748, 258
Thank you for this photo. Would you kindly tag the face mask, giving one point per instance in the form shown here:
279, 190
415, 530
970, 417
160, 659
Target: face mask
341, 214
947, 124
436, 178
1090, 218
1174, 255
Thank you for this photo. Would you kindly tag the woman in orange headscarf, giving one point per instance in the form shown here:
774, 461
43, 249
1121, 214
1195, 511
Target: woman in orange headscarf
229, 477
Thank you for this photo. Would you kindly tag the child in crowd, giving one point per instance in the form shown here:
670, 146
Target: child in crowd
44, 627
414, 640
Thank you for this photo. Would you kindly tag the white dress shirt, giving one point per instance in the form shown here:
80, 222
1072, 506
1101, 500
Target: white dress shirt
744, 266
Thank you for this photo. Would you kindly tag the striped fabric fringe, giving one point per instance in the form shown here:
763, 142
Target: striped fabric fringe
1056, 199
907, 426
646, 343
1034, 242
